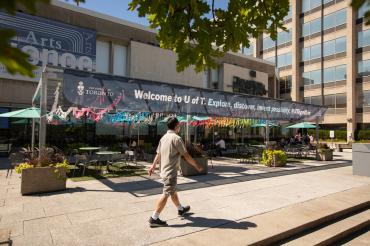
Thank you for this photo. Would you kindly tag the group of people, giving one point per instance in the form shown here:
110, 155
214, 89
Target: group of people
306, 139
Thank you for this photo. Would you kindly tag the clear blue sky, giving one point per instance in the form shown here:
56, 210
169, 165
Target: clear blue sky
118, 8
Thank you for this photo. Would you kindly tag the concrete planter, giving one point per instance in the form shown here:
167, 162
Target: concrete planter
325, 156
361, 157
43, 179
189, 170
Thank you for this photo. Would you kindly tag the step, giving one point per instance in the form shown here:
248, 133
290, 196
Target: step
362, 239
280, 224
334, 232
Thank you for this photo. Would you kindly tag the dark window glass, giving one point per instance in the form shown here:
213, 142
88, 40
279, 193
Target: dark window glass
366, 99
306, 78
329, 101
364, 38
316, 100
316, 77
340, 72
315, 26
329, 75
315, 51
305, 5
329, 21
341, 100
306, 54
364, 68
340, 45
363, 9
329, 48
340, 17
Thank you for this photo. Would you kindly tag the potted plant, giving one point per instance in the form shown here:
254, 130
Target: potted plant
199, 156
324, 153
274, 158
43, 174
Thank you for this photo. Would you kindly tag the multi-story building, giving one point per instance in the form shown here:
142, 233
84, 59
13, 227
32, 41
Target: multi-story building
64, 35
323, 58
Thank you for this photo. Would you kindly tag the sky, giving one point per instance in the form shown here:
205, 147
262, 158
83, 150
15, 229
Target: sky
118, 8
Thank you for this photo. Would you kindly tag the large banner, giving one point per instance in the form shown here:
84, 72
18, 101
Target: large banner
50, 42
89, 90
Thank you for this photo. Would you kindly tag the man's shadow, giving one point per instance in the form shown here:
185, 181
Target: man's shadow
221, 223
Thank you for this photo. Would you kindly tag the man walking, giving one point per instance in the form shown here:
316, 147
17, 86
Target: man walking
169, 152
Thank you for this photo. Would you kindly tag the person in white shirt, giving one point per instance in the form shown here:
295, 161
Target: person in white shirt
220, 145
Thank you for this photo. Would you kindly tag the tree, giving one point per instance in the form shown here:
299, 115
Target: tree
183, 26
197, 31
356, 4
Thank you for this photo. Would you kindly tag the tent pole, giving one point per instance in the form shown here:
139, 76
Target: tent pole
43, 111
33, 136
317, 135
267, 134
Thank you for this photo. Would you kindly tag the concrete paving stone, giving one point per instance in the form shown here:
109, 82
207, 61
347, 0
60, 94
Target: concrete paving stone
86, 216
16, 229
64, 208
40, 238
43, 224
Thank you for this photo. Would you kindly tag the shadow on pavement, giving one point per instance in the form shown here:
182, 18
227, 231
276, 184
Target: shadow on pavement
207, 222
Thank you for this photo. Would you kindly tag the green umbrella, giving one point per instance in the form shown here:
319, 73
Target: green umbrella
30, 113
302, 125
263, 125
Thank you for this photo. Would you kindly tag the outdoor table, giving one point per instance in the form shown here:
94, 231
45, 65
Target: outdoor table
90, 149
108, 153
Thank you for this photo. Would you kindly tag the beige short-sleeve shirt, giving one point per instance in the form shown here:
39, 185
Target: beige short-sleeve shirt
170, 148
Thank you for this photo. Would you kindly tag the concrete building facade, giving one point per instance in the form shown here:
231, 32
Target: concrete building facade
323, 59
112, 46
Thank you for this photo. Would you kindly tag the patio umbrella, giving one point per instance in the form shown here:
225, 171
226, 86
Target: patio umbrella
264, 125
28, 113
305, 125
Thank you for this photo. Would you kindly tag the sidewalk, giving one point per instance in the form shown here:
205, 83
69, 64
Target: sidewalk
115, 211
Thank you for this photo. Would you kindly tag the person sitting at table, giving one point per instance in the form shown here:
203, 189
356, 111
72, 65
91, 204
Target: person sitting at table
220, 146
133, 144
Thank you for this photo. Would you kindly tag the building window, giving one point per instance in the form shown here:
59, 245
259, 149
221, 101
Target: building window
363, 39
248, 51
102, 56
364, 99
362, 10
285, 84
316, 100
335, 19
312, 77
312, 52
335, 46
337, 73
336, 100
289, 15
311, 27
270, 59
310, 4
363, 68
119, 60
284, 37
268, 43
248, 87
284, 60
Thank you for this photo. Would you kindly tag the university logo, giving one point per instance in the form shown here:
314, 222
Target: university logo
80, 88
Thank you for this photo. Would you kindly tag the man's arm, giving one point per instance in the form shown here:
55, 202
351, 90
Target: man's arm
192, 162
155, 161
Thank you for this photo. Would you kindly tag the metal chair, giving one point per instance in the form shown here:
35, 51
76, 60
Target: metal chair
15, 159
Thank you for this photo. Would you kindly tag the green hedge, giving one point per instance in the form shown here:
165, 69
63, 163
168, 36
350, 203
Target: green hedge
363, 135
325, 134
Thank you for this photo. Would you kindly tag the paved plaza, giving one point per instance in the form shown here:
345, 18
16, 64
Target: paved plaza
115, 211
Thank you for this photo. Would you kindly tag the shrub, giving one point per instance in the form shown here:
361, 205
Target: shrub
363, 135
268, 158
20, 167
47, 159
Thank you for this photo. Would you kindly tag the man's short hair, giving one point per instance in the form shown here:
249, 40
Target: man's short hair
172, 123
